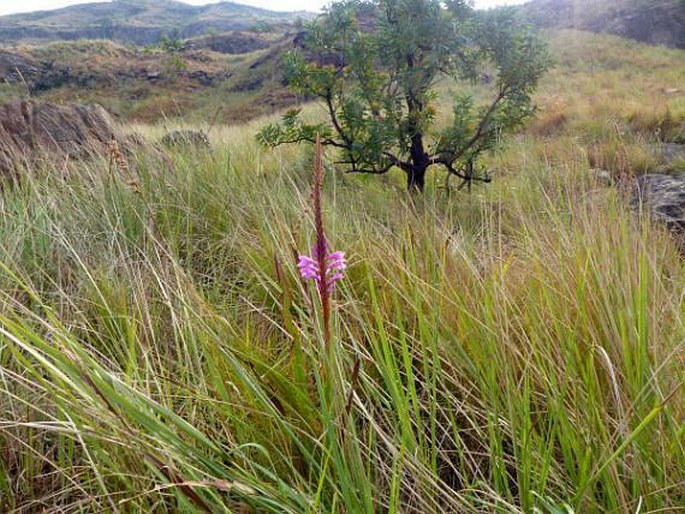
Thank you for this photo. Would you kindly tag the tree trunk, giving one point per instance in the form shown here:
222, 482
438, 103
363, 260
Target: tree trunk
416, 178
416, 174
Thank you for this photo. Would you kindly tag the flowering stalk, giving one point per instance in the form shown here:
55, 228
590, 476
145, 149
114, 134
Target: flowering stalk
323, 267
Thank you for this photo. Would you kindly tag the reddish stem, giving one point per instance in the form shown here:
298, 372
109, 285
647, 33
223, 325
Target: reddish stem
321, 249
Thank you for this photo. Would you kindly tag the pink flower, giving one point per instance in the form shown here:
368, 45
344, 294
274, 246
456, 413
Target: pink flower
326, 275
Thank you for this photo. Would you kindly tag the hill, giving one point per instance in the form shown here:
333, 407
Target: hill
140, 22
657, 22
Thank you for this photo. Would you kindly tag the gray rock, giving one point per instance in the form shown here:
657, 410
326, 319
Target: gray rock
602, 176
672, 151
34, 131
662, 197
204, 78
15, 67
195, 139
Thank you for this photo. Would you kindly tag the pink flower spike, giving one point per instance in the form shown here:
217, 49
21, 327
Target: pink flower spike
309, 268
336, 260
333, 269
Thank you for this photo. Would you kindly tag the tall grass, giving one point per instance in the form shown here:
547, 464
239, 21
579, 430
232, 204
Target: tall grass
519, 349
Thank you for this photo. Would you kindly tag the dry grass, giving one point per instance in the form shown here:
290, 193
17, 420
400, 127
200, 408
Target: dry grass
613, 100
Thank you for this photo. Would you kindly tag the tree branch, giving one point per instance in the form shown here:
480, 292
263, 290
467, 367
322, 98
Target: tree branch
369, 171
395, 161
449, 160
465, 175
334, 119
486, 119
305, 139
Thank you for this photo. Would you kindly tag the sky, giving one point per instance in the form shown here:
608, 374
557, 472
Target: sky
13, 6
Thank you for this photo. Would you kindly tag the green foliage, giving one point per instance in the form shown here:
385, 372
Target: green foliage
375, 66
291, 129
171, 43
175, 63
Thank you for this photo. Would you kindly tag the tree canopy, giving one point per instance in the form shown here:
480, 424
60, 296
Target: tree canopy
377, 67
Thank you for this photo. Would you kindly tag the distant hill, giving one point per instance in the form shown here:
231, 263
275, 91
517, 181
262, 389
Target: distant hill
658, 22
140, 22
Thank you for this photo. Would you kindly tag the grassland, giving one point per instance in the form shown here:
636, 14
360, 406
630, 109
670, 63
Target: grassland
516, 349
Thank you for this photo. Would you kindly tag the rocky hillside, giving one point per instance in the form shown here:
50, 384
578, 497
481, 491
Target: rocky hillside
240, 80
140, 22
658, 22
146, 60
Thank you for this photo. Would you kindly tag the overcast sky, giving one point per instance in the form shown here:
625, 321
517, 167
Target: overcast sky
13, 6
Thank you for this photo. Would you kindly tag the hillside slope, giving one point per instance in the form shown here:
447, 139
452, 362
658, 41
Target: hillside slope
657, 22
140, 22
152, 83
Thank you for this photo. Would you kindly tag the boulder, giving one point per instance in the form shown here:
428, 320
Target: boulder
672, 152
187, 139
34, 132
602, 176
662, 197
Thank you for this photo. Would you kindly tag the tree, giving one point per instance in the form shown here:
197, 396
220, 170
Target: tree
172, 42
376, 65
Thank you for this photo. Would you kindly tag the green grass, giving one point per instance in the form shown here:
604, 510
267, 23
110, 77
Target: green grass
518, 349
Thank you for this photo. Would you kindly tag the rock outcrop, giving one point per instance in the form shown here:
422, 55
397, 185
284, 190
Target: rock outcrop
672, 152
32, 133
104, 67
662, 197
186, 139
15, 67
